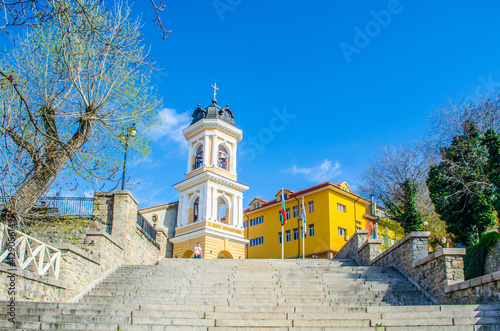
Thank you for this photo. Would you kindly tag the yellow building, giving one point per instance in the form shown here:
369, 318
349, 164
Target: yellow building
210, 208
333, 214
388, 230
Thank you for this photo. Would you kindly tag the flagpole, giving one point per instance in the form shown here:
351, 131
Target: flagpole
303, 230
282, 242
282, 229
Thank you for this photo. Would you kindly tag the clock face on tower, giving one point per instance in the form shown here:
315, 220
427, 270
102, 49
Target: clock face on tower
226, 115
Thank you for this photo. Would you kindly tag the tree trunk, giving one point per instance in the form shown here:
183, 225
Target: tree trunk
25, 198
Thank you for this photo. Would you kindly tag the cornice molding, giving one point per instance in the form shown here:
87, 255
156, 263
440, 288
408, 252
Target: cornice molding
213, 124
211, 176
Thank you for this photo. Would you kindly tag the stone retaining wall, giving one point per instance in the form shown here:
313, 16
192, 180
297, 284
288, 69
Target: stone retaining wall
492, 262
402, 254
438, 270
474, 291
368, 251
351, 247
100, 252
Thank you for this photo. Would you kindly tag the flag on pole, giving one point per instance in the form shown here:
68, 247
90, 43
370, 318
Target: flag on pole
304, 214
283, 211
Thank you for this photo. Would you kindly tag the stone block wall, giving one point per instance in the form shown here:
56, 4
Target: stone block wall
369, 250
402, 254
137, 247
100, 252
438, 270
26, 285
492, 263
351, 247
474, 291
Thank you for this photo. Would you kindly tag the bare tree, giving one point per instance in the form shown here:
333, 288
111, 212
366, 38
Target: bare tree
29, 13
67, 92
449, 120
396, 179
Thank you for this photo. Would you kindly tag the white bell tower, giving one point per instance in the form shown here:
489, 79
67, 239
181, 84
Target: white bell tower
210, 198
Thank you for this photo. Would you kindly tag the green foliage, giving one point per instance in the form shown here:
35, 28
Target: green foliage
474, 261
69, 88
492, 142
406, 213
459, 187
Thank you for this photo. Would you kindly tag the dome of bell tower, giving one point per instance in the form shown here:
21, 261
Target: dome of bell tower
213, 112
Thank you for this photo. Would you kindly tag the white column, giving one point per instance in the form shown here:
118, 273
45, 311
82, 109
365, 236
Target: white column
205, 151
214, 203
190, 158
240, 211
214, 150
179, 210
234, 210
203, 205
233, 159
209, 203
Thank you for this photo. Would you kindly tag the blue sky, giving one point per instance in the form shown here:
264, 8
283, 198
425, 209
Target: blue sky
338, 94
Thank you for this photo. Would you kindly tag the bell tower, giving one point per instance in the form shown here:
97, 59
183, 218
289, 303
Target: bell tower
210, 197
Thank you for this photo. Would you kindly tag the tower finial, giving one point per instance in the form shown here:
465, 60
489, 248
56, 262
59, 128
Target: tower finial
215, 89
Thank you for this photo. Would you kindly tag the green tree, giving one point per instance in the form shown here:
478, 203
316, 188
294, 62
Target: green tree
492, 142
460, 189
67, 91
406, 212
396, 179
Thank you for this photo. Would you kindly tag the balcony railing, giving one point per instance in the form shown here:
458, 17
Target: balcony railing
27, 253
62, 206
148, 230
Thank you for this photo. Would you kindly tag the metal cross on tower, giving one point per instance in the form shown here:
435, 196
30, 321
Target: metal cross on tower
215, 89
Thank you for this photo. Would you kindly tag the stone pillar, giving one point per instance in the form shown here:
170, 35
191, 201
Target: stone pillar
161, 239
124, 215
103, 210
437, 272
369, 250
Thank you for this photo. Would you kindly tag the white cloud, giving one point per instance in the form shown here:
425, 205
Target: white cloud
320, 173
171, 126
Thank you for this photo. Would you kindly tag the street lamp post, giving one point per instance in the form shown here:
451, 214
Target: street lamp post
131, 132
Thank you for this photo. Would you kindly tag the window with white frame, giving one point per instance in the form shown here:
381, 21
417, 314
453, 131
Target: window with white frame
288, 235
311, 207
256, 205
256, 241
342, 232
295, 233
311, 230
280, 237
258, 220
342, 208
245, 224
295, 211
303, 232
288, 213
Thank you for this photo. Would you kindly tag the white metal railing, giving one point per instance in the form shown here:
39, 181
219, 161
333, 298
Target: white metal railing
29, 253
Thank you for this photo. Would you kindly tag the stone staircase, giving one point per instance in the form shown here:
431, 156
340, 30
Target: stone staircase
189, 294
